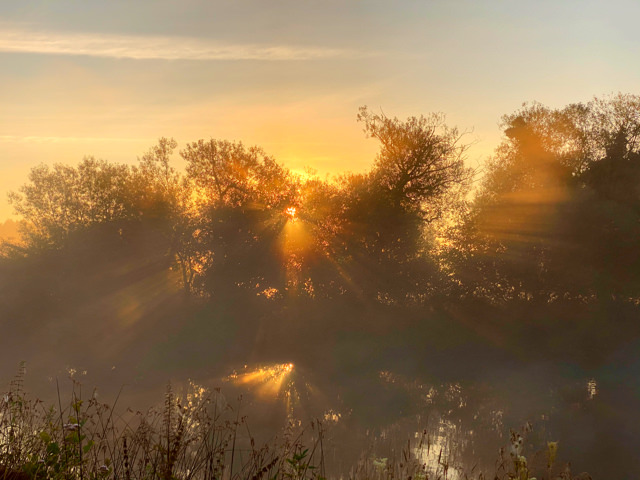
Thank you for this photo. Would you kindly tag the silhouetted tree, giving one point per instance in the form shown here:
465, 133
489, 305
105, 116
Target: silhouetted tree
61, 199
164, 204
420, 161
241, 198
417, 176
556, 216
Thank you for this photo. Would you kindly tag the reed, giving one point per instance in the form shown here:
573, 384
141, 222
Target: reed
200, 436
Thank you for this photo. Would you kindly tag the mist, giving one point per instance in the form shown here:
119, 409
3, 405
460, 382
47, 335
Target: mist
420, 296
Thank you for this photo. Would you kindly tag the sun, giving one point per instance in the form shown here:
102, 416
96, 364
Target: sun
291, 213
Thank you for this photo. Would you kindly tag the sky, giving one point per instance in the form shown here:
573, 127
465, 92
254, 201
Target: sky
108, 78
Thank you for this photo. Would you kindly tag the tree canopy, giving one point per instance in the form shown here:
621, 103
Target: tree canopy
555, 217
409, 266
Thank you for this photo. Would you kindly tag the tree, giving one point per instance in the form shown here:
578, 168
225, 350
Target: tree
561, 182
229, 174
163, 198
241, 195
61, 199
100, 205
420, 161
418, 175
159, 189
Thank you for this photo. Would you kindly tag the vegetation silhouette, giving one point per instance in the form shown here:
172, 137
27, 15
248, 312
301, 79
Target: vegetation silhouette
516, 289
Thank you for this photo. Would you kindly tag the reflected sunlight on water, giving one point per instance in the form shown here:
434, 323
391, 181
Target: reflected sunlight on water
437, 450
268, 382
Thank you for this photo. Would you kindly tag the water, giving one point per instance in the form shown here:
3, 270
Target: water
385, 414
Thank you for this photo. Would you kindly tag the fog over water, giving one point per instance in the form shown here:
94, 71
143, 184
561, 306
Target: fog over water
368, 393
393, 306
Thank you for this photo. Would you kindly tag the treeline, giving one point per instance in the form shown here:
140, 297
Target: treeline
420, 267
549, 231
236, 220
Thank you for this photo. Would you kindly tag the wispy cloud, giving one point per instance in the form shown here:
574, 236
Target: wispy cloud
57, 139
157, 47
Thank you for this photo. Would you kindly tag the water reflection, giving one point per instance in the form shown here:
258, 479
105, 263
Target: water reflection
439, 451
592, 388
442, 427
453, 426
275, 382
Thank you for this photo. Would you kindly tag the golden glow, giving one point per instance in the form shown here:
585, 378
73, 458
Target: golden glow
524, 216
295, 242
295, 238
43, 127
268, 382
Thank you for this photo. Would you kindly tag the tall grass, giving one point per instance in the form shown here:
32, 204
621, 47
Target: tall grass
198, 435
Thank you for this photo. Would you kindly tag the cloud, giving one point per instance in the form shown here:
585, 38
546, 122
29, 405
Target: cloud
157, 47
58, 139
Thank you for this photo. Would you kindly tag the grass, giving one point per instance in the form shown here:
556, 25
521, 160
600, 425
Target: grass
194, 436
198, 435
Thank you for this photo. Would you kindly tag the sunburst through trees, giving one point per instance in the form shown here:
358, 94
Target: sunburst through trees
237, 259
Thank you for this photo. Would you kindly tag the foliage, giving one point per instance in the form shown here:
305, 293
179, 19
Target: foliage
195, 435
557, 213
398, 265
420, 160
228, 174
63, 199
